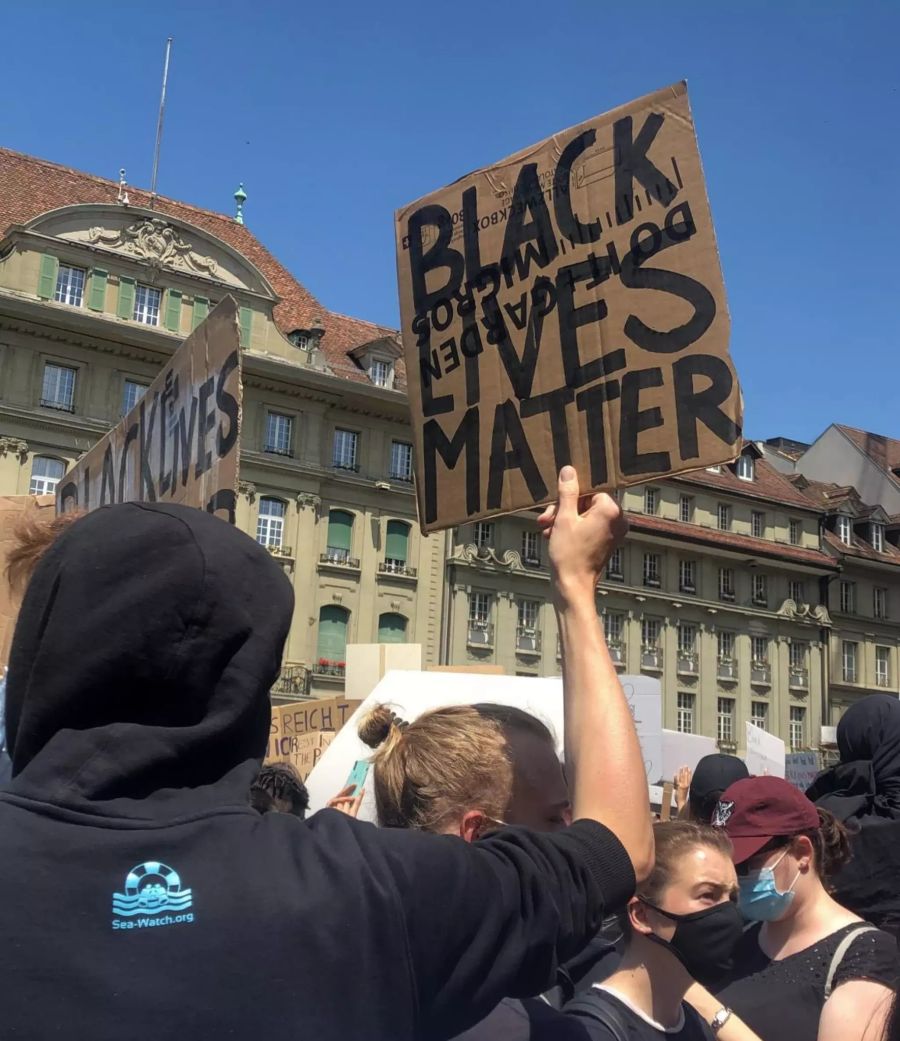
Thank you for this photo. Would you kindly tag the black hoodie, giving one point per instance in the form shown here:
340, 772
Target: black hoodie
144, 898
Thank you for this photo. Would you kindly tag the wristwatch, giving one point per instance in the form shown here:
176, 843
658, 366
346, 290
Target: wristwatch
720, 1019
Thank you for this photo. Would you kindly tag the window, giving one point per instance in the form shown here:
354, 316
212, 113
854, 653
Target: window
483, 534
845, 530
759, 714
798, 727
132, 392
685, 509
58, 387
650, 630
685, 723
726, 583
614, 572
725, 720
279, 434
613, 627
479, 609
270, 522
877, 537
758, 524
146, 304
882, 666
651, 501
795, 532
391, 628
340, 536
798, 654
760, 590
687, 638
531, 547
725, 646
651, 569
879, 602
345, 449
848, 660
714, 469
46, 473
723, 516
796, 592
69, 285
746, 467
687, 576
401, 461
382, 372
331, 646
848, 597
396, 545
759, 648
528, 614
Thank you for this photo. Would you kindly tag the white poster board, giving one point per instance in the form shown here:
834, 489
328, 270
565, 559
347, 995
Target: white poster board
684, 750
801, 768
765, 753
412, 693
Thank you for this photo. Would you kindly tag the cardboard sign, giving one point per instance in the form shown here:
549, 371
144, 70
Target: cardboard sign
765, 753
683, 750
180, 442
303, 752
307, 717
801, 768
412, 693
13, 508
567, 306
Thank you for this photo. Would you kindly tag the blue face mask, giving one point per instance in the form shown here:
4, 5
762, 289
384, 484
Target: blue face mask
760, 899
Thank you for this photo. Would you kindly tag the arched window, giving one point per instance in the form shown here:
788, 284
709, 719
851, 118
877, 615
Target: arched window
340, 535
396, 547
391, 628
332, 643
270, 522
46, 473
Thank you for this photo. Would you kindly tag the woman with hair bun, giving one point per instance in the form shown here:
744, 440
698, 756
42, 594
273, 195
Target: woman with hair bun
807, 969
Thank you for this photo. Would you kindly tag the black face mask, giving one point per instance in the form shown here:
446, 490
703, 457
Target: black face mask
704, 941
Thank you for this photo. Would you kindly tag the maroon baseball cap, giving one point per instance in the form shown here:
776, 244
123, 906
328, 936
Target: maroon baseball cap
758, 809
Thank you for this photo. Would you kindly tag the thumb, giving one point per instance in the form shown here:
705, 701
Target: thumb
568, 491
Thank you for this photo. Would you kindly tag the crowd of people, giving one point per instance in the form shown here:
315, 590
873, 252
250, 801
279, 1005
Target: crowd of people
160, 884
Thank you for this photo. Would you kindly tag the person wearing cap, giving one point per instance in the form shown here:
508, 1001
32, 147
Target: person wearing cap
807, 969
702, 790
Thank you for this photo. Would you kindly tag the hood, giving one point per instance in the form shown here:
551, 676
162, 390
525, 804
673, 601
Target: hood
147, 642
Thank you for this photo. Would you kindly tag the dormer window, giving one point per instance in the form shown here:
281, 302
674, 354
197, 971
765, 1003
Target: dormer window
876, 532
746, 468
845, 530
381, 372
300, 339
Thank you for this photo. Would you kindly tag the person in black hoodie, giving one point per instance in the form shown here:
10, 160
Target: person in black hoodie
144, 897
863, 792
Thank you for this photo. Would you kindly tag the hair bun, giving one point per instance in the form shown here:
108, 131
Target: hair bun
376, 726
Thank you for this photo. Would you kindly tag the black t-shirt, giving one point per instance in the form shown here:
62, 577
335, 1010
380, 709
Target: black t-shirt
635, 1026
784, 998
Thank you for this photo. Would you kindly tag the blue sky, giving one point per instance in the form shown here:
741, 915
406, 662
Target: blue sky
333, 115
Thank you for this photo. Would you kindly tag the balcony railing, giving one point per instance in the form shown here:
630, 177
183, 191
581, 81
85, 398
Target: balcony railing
528, 640
726, 595
481, 634
531, 561
276, 450
60, 406
339, 558
687, 587
652, 581
760, 600
761, 672
728, 747
881, 680
397, 567
402, 478
727, 669
281, 551
617, 652
688, 663
614, 576
849, 675
651, 657
323, 667
292, 680
798, 678
349, 467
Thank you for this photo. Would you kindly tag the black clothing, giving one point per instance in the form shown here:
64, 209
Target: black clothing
869, 884
784, 999
712, 775
622, 1023
143, 895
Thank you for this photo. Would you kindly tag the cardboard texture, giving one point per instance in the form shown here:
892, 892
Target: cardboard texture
765, 753
180, 443
13, 508
303, 752
306, 717
567, 305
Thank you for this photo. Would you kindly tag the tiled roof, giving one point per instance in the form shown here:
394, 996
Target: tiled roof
883, 451
859, 548
689, 533
770, 485
30, 187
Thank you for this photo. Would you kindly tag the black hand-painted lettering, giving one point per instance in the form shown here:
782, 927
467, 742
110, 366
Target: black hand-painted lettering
521, 370
553, 403
692, 406
225, 500
537, 232
229, 406
132, 434
436, 443
438, 255
508, 431
107, 478
633, 420
632, 164
591, 402
207, 420
450, 356
147, 492
571, 318
184, 441
575, 230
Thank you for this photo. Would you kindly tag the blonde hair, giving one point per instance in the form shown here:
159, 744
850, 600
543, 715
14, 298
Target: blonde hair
427, 773
33, 536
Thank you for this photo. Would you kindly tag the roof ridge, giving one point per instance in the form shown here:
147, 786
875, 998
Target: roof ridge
363, 321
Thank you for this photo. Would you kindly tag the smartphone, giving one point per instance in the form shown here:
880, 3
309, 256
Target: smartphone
358, 775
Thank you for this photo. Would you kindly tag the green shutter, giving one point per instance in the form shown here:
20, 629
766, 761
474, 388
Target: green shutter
340, 530
201, 310
173, 310
391, 628
246, 326
332, 643
397, 542
126, 298
47, 277
97, 295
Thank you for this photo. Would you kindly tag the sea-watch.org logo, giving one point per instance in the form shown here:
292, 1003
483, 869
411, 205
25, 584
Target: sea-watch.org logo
153, 897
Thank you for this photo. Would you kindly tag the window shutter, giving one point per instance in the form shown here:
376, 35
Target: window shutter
47, 277
332, 642
340, 530
246, 317
397, 542
201, 310
126, 298
173, 310
391, 628
97, 295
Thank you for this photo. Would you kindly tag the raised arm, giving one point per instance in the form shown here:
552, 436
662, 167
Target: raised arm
603, 757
